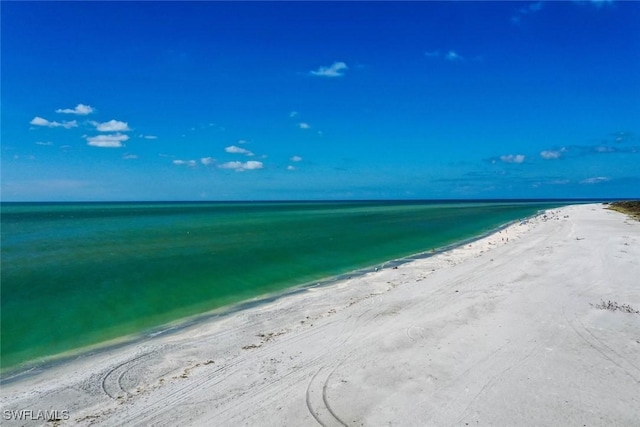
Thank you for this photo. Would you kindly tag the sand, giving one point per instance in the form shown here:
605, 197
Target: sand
503, 331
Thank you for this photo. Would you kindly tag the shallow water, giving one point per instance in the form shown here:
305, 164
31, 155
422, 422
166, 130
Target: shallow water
79, 274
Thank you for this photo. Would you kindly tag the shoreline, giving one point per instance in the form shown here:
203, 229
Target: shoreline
36, 366
171, 290
500, 330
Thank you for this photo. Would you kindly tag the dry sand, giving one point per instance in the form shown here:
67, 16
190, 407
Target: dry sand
503, 331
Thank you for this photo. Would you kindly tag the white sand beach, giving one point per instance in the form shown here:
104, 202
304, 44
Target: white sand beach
503, 331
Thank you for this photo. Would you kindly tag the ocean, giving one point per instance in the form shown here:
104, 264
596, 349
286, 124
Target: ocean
78, 274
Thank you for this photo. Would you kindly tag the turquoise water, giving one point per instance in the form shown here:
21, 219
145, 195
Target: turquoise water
78, 274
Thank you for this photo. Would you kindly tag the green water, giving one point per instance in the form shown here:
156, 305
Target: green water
79, 274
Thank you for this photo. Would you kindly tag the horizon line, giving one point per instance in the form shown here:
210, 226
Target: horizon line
555, 199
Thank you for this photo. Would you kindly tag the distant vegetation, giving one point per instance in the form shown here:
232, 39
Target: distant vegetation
629, 207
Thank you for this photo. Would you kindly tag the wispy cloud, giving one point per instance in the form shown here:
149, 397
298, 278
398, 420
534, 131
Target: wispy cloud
207, 161
604, 149
596, 3
595, 180
294, 159
112, 126
558, 182
242, 166
39, 121
512, 158
148, 136
107, 141
80, 109
450, 55
334, 70
615, 143
304, 125
623, 136
526, 10
48, 143
238, 150
23, 157
130, 156
453, 56
293, 114
551, 154
585, 150
190, 163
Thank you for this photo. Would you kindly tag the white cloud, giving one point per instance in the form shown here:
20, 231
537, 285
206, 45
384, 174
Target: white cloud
112, 126
107, 141
240, 166
190, 163
231, 165
44, 143
68, 125
304, 125
237, 150
296, 159
148, 136
550, 154
242, 141
252, 164
291, 168
334, 70
129, 156
207, 160
453, 56
513, 158
595, 180
39, 121
80, 109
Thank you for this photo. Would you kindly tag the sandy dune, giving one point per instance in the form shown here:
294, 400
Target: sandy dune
504, 331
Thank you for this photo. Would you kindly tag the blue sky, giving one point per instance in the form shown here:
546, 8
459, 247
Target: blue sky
319, 100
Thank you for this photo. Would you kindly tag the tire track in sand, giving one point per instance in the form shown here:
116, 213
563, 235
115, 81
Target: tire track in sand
317, 401
182, 394
112, 381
